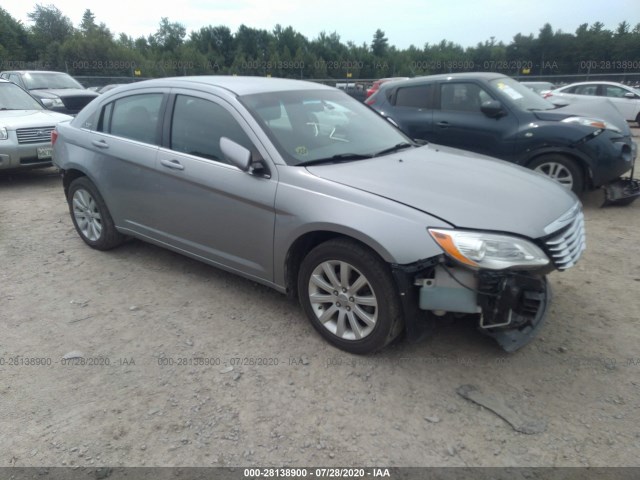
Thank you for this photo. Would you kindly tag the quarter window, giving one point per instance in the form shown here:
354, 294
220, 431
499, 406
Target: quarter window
199, 124
135, 117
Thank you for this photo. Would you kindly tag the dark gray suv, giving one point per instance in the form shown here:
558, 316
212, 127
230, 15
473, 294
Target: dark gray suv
57, 91
495, 115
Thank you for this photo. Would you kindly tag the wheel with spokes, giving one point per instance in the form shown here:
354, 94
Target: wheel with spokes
563, 170
91, 217
349, 296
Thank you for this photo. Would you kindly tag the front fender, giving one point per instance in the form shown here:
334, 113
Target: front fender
396, 232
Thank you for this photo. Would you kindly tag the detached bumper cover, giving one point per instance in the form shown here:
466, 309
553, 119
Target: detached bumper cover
514, 306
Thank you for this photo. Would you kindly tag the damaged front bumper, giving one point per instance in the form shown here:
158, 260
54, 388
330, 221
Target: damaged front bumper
509, 306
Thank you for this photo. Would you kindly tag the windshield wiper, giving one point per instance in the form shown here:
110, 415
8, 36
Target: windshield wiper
342, 157
395, 148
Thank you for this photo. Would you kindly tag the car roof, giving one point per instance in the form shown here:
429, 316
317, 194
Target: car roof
33, 71
599, 82
446, 76
235, 84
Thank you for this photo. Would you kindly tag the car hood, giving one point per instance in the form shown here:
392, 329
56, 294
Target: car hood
14, 119
599, 108
62, 92
464, 189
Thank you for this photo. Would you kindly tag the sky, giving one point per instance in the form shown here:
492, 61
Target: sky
405, 22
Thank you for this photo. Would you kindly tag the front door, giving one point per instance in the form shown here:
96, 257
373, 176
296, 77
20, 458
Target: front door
208, 207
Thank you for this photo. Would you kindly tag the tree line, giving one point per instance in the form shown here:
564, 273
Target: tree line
53, 42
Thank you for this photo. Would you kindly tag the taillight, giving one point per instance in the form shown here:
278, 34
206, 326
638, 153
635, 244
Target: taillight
54, 136
547, 95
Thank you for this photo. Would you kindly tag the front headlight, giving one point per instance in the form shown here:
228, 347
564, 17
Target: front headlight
592, 122
3, 133
489, 250
52, 102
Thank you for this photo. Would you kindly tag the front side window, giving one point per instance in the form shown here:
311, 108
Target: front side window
613, 91
464, 97
135, 117
198, 125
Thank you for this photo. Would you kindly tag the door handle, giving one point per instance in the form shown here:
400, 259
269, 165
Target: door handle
173, 164
100, 144
443, 124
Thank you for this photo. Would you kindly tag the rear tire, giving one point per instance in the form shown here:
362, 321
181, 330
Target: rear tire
91, 216
349, 296
562, 169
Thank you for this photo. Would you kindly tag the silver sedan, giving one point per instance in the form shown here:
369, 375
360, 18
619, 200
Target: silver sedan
300, 187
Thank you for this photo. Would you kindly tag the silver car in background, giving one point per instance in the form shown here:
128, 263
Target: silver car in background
300, 187
25, 129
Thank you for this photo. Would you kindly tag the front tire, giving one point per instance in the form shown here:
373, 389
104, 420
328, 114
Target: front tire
562, 169
349, 296
91, 216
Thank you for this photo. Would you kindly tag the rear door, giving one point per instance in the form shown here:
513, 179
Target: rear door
459, 122
207, 206
121, 146
413, 110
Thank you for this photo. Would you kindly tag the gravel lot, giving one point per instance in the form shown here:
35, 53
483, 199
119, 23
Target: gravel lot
185, 365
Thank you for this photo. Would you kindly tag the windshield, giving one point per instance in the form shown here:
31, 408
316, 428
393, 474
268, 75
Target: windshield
310, 126
521, 96
41, 80
12, 97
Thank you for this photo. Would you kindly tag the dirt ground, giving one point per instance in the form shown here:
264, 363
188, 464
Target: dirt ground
186, 365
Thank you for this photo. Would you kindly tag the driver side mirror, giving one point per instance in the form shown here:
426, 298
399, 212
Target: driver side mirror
492, 109
235, 154
240, 157
630, 95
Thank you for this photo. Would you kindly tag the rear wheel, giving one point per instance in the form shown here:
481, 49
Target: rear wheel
91, 217
349, 296
562, 169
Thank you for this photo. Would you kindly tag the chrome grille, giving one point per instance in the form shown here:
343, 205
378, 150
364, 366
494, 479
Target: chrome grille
34, 135
566, 246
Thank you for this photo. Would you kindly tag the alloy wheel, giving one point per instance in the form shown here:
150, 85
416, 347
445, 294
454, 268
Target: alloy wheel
557, 172
343, 300
87, 215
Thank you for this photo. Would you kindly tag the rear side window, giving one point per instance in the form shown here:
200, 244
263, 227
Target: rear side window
414, 96
585, 89
135, 117
198, 125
